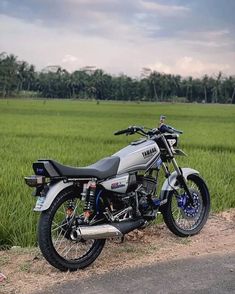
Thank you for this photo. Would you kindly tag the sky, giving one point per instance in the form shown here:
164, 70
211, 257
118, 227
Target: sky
187, 37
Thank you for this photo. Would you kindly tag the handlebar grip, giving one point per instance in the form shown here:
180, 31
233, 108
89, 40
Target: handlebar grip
169, 129
121, 132
164, 129
179, 132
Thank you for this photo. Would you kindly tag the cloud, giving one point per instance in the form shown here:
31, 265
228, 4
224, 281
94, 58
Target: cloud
164, 9
198, 67
161, 67
213, 39
69, 58
188, 65
71, 62
93, 17
179, 36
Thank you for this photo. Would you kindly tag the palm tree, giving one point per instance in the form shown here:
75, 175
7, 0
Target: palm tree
189, 88
233, 94
98, 82
22, 74
205, 81
80, 80
8, 73
154, 79
229, 85
217, 86
30, 76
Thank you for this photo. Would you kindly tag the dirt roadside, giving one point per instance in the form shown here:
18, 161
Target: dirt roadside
26, 270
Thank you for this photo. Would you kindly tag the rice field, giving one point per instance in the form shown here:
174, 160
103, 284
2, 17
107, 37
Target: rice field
79, 133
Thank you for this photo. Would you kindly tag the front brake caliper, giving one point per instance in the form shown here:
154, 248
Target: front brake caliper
189, 209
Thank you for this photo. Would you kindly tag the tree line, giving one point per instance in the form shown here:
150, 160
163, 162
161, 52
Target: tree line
20, 78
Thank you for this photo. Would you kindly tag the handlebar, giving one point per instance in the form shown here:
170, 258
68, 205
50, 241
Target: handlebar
131, 130
140, 130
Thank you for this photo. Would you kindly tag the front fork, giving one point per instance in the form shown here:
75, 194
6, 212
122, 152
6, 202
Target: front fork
180, 178
182, 181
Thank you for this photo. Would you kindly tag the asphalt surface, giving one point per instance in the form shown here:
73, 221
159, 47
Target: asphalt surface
197, 275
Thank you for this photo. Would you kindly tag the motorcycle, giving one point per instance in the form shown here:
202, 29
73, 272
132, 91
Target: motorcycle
82, 207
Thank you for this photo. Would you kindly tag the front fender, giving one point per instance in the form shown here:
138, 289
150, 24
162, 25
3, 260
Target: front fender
44, 203
171, 183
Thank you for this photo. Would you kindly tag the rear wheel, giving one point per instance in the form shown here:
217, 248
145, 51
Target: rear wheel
181, 217
55, 226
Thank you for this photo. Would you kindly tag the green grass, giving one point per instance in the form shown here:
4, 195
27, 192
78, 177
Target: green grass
79, 133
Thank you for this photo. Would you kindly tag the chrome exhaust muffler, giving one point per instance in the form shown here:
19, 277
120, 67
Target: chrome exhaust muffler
105, 231
95, 232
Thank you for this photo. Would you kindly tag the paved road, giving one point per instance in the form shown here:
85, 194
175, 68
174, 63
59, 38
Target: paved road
198, 275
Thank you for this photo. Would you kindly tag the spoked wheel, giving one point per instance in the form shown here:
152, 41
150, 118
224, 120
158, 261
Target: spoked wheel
183, 218
55, 227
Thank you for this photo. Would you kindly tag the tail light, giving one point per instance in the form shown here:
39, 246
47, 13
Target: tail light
35, 181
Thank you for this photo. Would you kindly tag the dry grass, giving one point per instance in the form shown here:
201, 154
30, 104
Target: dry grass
27, 271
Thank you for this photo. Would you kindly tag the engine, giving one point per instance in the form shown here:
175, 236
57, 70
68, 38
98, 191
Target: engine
139, 197
147, 192
148, 183
145, 188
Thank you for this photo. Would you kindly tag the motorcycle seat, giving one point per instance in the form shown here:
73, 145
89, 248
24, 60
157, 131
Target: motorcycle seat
104, 168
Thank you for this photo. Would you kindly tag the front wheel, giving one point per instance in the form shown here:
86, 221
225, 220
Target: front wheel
181, 217
54, 230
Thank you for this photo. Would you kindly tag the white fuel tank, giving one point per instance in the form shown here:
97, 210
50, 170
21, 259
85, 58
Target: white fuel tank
138, 155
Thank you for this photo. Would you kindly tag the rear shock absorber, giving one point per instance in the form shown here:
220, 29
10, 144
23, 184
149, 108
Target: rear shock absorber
90, 200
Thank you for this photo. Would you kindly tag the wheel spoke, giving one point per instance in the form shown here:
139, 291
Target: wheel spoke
69, 249
178, 215
57, 240
60, 231
58, 226
182, 220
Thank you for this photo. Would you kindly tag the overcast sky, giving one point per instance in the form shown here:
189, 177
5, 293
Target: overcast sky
189, 37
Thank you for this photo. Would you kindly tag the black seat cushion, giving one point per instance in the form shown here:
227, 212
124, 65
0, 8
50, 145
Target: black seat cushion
103, 168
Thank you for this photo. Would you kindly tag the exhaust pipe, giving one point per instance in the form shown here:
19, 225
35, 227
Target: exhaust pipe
106, 230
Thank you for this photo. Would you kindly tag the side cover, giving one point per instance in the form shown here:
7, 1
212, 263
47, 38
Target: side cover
118, 184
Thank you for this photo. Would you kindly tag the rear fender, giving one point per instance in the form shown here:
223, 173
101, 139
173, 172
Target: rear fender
171, 183
43, 203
